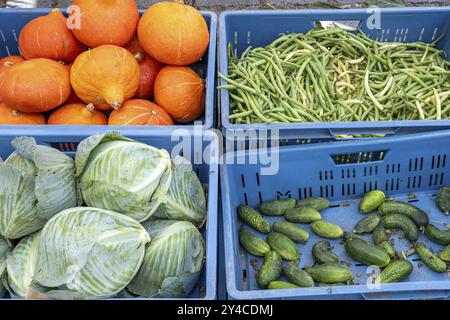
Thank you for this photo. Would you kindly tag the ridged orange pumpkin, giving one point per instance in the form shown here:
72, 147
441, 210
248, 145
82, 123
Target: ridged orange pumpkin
139, 112
181, 92
73, 98
107, 74
77, 114
5, 64
105, 21
10, 116
149, 70
173, 33
48, 37
135, 49
36, 85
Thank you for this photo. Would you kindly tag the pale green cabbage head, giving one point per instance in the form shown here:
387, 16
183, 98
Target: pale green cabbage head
185, 199
4, 249
55, 187
18, 204
173, 260
119, 174
21, 265
88, 253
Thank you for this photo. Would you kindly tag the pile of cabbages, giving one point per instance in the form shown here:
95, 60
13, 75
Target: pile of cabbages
121, 220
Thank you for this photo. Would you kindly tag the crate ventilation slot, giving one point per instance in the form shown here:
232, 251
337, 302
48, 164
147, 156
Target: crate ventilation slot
348, 189
436, 179
393, 168
304, 193
327, 191
370, 171
65, 146
358, 157
416, 164
392, 184
349, 173
369, 186
326, 175
438, 162
414, 182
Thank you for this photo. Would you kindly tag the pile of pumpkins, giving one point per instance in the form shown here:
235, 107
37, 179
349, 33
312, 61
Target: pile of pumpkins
104, 59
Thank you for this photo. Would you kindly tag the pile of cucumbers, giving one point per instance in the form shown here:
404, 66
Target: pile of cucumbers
282, 236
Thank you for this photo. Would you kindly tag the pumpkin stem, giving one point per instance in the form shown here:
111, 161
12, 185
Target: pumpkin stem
90, 107
139, 56
8, 64
115, 105
179, 1
16, 113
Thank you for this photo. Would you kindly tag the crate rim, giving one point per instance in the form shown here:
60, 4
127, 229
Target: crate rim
210, 81
321, 292
211, 239
390, 127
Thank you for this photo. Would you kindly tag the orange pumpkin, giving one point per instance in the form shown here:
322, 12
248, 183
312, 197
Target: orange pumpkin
149, 70
77, 114
139, 112
5, 64
48, 37
181, 92
36, 85
135, 49
173, 33
13, 117
73, 98
104, 21
107, 74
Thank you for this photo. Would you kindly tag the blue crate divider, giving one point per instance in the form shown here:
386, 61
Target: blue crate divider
410, 168
13, 20
207, 171
259, 28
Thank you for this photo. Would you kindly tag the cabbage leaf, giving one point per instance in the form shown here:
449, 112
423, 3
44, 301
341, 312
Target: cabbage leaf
88, 253
119, 174
173, 260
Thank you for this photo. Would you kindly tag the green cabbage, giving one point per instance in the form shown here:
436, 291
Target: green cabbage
119, 174
4, 249
185, 199
173, 260
55, 187
21, 265
18, 204
88, 253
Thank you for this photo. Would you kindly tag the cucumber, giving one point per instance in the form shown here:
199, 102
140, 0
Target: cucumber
445, 254
330, 273
371, 201
327, 229
281, 285
292, 231
443, 199
437, 235
367, 224
387, 247
284, 246
298, 276
252, 243
321, 252
317, 203
427, 256
302, 215
338, 284
276, 207
419, 217
270, 270
379, 234
251, 217
348, 236
396, 220
365, 252
396, 271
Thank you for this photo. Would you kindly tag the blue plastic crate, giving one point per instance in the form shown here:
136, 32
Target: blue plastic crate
259, 28
207, 171
13, 20
401, 166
